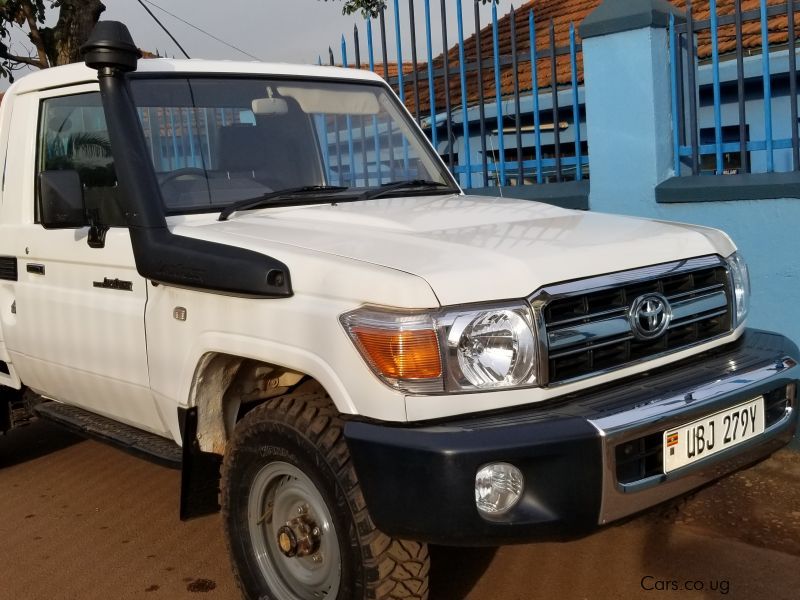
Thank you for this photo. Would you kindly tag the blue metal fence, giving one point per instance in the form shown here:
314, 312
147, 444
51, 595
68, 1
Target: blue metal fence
742, 151
470, 132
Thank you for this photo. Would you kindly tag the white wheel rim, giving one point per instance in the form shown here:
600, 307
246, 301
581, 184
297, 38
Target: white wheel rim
279, 492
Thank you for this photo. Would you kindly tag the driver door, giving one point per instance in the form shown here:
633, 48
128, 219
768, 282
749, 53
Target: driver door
79, 334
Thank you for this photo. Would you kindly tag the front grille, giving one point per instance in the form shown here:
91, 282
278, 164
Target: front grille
640, 458
588, 331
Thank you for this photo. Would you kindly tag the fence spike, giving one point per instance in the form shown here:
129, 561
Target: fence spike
464, 100
576, 108
554, 89
481, 97
720, 165
447, 103
517, 108
767, 86
498, 92
431, 83
413, 26
537, 117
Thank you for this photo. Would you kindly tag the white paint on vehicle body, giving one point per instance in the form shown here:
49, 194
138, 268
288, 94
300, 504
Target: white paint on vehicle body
77, 73
468, 248
301, 333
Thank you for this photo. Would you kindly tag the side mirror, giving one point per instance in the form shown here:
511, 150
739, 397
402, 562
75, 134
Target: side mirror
61, 196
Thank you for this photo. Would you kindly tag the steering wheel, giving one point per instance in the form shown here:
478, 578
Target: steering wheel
184, 172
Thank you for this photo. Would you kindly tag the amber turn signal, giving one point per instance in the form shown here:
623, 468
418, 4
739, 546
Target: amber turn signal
401, 354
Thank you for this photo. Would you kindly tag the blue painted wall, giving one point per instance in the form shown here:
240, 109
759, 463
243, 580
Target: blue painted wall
629, 128
767, 232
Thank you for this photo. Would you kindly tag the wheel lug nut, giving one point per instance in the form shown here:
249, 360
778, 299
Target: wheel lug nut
316, 531
316, 558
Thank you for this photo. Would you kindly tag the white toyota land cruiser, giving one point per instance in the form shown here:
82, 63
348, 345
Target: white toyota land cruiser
266, 271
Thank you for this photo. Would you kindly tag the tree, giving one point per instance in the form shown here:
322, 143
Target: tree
372, 8
49, 46
368, 8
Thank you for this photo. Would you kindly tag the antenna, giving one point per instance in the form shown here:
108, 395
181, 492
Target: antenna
160, 24
203, 31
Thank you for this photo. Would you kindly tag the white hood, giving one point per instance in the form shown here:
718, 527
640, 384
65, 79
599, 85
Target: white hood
468, 248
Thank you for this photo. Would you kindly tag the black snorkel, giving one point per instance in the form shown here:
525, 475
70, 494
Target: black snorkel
160, 255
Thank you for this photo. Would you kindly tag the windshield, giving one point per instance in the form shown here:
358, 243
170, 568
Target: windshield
218, 141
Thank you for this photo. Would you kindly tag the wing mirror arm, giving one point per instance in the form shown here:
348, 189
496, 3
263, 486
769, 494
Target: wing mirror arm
97, 231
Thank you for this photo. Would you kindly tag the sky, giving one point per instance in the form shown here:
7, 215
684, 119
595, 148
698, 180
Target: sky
297, 31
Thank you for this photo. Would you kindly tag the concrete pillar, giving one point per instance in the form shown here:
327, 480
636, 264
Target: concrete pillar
628, 102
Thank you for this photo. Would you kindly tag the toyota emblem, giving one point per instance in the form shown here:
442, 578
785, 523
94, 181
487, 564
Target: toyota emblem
649, 316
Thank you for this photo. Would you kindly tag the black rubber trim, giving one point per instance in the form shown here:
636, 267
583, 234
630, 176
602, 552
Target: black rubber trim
628, 15
418, 480
200, 472
569, 194
6, 414
198, 264
725, 188
8, 268
134, 441
419, 483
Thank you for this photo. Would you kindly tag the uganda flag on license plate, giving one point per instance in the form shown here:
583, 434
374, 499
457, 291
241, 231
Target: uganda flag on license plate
672, 439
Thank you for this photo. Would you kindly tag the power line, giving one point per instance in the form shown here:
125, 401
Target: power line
160, 24
201, 30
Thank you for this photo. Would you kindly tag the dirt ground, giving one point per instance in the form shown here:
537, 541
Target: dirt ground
81, 520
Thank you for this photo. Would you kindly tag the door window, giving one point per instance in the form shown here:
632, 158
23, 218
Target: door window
73, 136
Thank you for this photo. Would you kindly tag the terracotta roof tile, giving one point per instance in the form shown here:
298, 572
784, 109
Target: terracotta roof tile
562, 13
751, 30
408, 68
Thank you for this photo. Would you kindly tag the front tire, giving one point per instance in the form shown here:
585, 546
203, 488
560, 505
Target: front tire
295, 519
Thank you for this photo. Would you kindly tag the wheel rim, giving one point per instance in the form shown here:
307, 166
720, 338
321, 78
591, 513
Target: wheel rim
283, 502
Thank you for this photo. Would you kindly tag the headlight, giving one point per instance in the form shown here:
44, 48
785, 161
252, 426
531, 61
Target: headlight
491, 349
451, 350
740, 281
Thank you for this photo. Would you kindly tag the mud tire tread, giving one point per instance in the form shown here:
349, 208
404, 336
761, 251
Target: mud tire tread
393, 569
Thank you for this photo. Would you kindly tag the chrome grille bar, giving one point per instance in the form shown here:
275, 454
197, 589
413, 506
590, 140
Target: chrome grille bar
585, 325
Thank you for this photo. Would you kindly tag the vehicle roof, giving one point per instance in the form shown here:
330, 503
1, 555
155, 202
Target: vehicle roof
80, 73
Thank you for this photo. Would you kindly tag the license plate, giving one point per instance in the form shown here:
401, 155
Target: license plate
705, 437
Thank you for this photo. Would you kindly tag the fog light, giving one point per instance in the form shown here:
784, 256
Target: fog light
498, 488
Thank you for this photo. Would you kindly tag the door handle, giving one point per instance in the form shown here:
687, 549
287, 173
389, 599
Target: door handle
36, 269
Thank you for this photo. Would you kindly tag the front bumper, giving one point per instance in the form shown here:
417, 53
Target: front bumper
578, 453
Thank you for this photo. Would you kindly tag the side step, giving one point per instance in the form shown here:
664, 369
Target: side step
146, 445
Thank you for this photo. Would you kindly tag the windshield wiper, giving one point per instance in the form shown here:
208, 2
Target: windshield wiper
269, 198
394, 186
